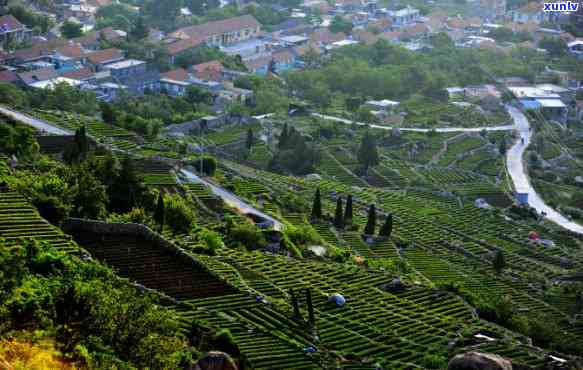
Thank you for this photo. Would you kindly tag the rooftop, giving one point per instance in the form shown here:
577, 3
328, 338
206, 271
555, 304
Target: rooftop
50, 84
125, 64
531, 92
218, 27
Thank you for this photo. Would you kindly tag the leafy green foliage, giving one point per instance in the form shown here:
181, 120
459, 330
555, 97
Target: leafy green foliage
86, 308
71, 29
339, 24
178, 214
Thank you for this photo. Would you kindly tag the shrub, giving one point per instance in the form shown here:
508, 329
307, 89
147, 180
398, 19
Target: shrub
224, 341
431, 361
248, 235
178, 214
212, 239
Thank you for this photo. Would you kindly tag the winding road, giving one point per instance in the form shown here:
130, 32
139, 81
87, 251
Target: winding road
517, 171
514, 162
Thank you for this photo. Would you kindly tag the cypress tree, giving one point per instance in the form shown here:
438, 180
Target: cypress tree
250, 139
317, 206
295, 304
371, 223
338, 216
348, 211
311, 318
387, 228
499, 262
159, 213
367, 153
283, 137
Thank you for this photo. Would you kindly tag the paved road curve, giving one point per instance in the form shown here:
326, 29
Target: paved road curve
517, 171
231, 199
30, 121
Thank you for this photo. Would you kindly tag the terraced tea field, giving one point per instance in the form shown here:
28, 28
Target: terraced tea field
19, 220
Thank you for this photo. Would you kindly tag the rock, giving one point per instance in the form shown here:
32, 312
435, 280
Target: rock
215, 360
479, 361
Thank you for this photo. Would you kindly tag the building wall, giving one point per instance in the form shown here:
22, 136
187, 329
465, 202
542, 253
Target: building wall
233, 37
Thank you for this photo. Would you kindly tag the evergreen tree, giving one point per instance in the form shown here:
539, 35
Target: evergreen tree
250, 139
348, 211
77, 151
83, 141
139, 30
159, 213
371, 223
502, 147
368, 155
317, 206
128, 189
499, 262
387, 228
283, 137
107, 113
338, 215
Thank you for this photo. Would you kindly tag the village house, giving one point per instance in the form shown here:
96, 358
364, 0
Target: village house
545, 100
134, 75
531, 12
182, 46
223, 32
42, 74
176, 82
12, 31
97, 60
209, 71
404, 17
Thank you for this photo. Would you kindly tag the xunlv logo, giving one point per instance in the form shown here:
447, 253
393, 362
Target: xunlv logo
561, 6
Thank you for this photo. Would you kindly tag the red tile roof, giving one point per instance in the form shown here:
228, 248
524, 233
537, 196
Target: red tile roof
80, 74
10, 22
8, 76
179, 74
210, 71
219, 27
71, 51
325, 36
184, 45
41, 74
104, 56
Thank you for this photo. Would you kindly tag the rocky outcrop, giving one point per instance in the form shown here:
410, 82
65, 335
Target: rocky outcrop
215, 361
479, 361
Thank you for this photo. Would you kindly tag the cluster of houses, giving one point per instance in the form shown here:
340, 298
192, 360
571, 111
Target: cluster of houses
82, 62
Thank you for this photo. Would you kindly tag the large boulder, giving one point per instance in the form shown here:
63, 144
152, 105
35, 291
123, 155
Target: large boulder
479, 361
215, 360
